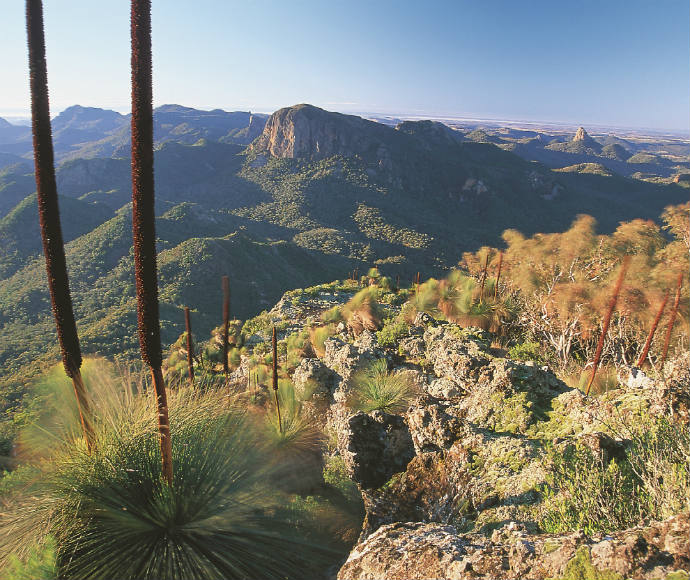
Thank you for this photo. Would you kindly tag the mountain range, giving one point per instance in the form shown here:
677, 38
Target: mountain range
293, 199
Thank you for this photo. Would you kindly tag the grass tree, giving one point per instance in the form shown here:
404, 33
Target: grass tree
48, 212
143, 218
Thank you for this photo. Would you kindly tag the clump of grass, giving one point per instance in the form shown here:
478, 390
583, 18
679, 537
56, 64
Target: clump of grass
332, 315
363, 311
113, 514
294, 444
375, 389
318, 338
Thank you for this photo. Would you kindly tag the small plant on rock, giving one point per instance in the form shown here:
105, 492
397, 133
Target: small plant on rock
375, 389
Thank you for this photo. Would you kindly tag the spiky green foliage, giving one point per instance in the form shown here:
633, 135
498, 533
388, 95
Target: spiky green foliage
39, 564
298, 431
457, 298
113, 516
375, 389
294, 443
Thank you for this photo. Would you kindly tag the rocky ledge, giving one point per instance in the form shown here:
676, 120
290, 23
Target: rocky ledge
404, 551
459, 482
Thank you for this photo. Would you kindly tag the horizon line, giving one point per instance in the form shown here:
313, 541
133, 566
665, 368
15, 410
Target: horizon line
24, 115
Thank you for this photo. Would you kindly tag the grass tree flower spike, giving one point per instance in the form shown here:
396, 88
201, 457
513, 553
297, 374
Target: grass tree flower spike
48, 213
143, 218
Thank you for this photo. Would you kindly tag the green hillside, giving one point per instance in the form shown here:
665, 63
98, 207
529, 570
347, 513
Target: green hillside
408, 200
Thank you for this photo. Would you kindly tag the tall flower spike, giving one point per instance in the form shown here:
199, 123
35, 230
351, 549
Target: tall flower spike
190, 344
274, 343
49, 216
498, 276
143, 218
226, 323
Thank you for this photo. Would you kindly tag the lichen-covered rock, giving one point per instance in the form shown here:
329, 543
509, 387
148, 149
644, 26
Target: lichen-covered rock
345, 358
412, 346
312, 378
431, 426
375, 446
462, 475
444, 388
510, 397
421, 551
432, 488
457, 359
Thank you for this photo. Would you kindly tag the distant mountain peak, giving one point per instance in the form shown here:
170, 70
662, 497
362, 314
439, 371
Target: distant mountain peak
582, 135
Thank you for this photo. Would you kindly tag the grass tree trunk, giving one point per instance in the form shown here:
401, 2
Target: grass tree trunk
652, 330
143, 218
672, 320
498, 275
607, 320
226, 323
48, 213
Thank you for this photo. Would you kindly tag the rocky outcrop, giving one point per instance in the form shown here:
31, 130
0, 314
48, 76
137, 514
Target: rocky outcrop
308, 131
404, 551
582, 136
375, 446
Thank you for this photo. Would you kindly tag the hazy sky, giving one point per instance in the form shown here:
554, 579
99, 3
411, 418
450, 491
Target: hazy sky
608, 62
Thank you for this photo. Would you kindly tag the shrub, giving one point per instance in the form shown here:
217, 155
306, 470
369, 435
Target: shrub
375, 389
391, 333
660, 457
527, 351
585, 493
651, 481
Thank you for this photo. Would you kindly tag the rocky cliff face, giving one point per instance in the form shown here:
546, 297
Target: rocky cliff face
307, 131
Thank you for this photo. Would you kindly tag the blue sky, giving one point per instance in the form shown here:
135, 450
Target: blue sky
606, 62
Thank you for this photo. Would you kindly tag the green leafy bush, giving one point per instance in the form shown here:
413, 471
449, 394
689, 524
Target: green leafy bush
526, 351
651, 481
391, 333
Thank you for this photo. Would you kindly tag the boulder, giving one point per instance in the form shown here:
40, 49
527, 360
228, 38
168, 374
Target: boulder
312, 378
375, 446
432, 428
